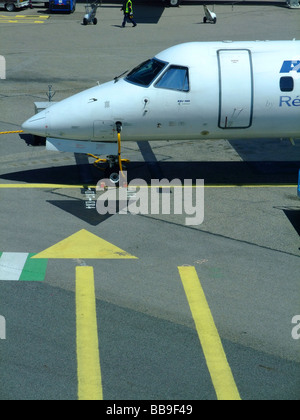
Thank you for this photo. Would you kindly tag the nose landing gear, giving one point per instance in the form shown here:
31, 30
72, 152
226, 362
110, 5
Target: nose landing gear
112, 165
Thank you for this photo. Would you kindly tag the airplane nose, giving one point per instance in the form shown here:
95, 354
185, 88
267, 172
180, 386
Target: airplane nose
36, 125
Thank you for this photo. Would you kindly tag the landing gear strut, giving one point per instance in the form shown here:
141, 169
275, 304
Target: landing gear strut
112, 172
113, 164
111, 168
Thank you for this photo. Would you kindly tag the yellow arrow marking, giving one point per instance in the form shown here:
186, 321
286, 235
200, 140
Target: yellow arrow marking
85, 245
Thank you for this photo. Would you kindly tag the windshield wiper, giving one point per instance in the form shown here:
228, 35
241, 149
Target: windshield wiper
116, 79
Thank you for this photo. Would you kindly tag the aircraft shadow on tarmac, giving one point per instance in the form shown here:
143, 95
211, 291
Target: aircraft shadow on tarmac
232, 3
293, 214
77, 209
148, 13
145, 13
213, 173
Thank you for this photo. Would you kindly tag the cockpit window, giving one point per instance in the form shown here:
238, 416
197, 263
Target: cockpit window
146, 72
175, 78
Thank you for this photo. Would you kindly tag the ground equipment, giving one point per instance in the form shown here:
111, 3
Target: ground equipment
91, 10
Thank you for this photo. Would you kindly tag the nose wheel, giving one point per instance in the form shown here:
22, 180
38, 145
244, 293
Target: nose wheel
114, 169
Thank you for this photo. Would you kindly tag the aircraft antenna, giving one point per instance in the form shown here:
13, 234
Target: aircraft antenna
50, 93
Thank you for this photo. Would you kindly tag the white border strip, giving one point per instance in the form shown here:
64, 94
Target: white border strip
11, 265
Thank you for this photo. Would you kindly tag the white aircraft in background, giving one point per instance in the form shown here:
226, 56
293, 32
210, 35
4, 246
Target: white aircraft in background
192, 91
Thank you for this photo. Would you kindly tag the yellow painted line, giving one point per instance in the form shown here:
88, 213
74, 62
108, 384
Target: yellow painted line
38, 186
215, 186
61, 186
24, 19
20, 21
34, 16
87, 342
215, 356
252, 186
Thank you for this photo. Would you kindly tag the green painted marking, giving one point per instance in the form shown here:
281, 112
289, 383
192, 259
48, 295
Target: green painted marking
34, 270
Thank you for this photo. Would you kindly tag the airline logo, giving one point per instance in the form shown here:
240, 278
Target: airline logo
290, 65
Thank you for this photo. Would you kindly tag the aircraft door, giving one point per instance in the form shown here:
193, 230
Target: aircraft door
236, 89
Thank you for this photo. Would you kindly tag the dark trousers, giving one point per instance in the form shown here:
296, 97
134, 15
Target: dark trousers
129, 19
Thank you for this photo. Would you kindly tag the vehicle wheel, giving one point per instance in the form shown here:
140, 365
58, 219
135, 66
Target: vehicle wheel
174, 3
114, 178
10, 7
85, 21
113, 175
205, 19
95, 21
215, 20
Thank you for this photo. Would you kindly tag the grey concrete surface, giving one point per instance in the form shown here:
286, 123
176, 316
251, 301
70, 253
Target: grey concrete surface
246, 252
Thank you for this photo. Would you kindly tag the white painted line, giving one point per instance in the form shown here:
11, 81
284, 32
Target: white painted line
11, 265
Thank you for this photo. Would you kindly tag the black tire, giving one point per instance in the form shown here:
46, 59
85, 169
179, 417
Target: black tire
114, 178
10, 7
113, 175
174, 3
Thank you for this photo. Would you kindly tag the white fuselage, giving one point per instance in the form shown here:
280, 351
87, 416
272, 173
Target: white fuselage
230, 90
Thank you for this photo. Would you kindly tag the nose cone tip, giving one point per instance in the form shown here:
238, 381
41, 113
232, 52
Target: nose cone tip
35, 125
25, 126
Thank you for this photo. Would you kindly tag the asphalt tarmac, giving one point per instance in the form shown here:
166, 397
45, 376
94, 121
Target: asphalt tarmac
246, 251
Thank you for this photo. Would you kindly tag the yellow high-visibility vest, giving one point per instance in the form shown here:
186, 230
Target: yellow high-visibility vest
129, 7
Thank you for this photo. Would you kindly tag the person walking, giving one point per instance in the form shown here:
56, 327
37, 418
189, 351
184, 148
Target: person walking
128, 13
